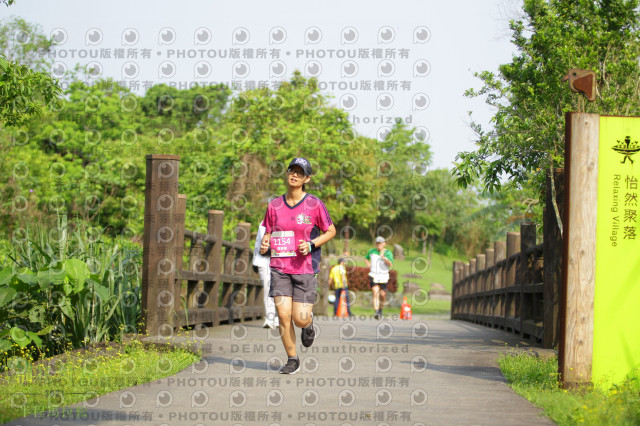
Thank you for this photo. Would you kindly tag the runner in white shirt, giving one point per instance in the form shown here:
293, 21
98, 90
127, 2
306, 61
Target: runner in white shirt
380, 260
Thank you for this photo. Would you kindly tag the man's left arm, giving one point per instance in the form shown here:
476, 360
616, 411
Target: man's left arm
324, 222
326, 236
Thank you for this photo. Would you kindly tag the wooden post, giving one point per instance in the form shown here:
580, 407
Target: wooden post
241, 267
179, 289
500, 253
194, 293
575, 350
552, 244
465, 305
228, 287
159, 244
454, 288
480, 300
488, 286
460, 289
196, 265
472, 271
473, 286
490, 261
214, 258
465, 275
527, 263
513, 245
481, 265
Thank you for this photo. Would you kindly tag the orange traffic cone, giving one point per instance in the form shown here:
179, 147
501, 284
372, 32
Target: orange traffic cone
405, 310
342, 306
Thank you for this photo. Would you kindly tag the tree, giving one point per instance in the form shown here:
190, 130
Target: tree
402, 166
263, 129
530, 98
24, 92
87, 158
25, 86
25, 43
441, 205
183, 110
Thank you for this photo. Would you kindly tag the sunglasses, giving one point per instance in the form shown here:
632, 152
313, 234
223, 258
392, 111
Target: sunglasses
294, 172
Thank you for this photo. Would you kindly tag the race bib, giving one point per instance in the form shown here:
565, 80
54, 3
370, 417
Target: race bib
283, 244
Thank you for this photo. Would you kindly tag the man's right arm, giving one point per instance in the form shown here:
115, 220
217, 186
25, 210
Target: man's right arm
266, 241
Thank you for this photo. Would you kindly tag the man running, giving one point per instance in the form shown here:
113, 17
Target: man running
380, 260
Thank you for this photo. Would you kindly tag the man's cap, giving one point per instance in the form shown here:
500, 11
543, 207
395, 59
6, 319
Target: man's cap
302, 162
380, 240
341, 260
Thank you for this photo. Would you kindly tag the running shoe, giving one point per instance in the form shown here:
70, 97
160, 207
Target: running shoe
291, 367
308, 335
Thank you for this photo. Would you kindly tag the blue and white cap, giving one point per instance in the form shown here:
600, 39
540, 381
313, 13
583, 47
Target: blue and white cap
299, 161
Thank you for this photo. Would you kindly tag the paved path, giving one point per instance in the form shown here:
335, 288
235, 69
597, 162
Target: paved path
358, 372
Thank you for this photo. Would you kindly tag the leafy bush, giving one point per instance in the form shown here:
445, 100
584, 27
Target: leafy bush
62, 292
358, 279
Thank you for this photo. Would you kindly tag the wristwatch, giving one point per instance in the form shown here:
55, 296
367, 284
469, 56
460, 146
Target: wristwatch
312, 245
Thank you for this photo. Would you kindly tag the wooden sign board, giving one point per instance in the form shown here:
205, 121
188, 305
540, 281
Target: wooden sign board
599, 342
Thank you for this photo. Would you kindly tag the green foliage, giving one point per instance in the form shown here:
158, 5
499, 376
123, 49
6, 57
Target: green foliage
86, 159
403, 167
25, 86
536, 379
180, 111
427, 207
24, 92
25, 43
63, 290
530, 97
264, 129
491, 217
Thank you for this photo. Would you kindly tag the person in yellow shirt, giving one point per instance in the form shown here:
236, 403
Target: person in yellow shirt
338, 278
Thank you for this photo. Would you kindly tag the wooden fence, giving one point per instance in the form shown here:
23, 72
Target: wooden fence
217, 284
515, 284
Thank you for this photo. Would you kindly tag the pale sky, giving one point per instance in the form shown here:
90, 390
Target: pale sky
379, 60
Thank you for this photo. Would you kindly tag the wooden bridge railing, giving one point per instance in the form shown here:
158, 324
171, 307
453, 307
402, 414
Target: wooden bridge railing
503, 287
217, 284
515, 285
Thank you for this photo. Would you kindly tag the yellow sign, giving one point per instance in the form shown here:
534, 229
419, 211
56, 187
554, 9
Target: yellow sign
616, 310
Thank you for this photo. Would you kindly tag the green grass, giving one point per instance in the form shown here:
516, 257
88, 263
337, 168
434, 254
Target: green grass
84, 374
439, 271
536, 379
